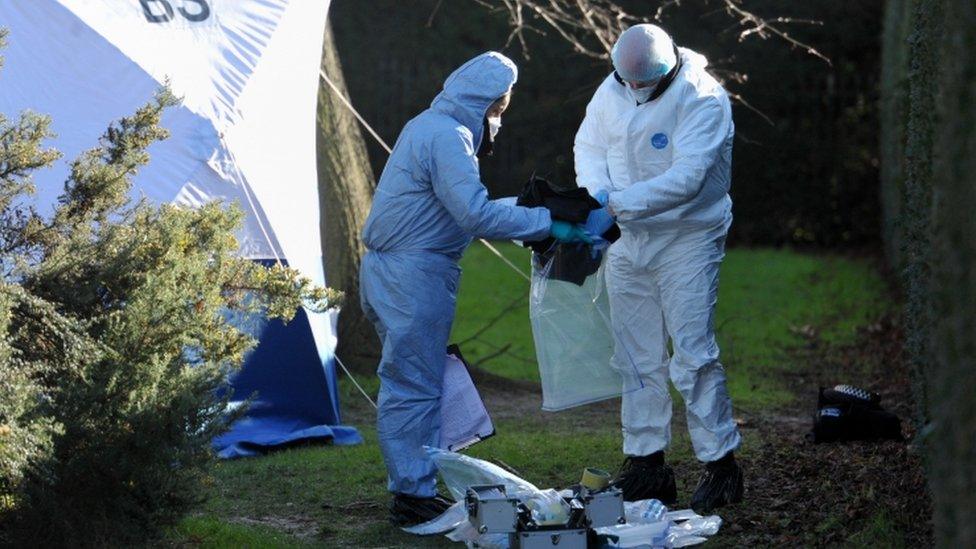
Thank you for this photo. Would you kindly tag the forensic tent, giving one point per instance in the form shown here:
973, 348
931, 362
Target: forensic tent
248, 72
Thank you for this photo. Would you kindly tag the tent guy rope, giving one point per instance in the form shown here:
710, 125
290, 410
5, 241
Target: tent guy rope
354, 382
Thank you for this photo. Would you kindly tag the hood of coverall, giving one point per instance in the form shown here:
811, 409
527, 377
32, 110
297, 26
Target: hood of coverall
473, 87
692, 58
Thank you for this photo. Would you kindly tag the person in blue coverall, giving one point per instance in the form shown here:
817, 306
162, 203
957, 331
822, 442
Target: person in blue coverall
428, 206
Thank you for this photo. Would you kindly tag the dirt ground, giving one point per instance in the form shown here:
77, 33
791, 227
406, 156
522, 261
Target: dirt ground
804, 494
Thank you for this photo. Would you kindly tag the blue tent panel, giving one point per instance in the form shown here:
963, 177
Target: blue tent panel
295, 390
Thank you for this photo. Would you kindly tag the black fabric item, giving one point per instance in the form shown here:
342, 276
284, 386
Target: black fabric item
850, 422
651, 460
409, 511
728, 460
646, 478
570, 262
572, 204
847, 413
721, 484
453, 349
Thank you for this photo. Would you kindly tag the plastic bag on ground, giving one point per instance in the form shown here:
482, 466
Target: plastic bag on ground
678, 516
670, 529
698, 526
683, 541
455, 515
649, 523
689, 528
547, 507
573, 337
650, 534
459, 472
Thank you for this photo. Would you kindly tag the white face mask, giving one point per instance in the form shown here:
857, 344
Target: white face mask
641, 95
494, 124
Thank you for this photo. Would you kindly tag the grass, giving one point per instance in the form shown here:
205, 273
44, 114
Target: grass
764, 297
489, 288
881, 530
217, 534
336, 496
767, 296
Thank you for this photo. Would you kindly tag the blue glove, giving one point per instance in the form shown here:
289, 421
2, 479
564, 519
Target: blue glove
598, 222
603, 197
567, 232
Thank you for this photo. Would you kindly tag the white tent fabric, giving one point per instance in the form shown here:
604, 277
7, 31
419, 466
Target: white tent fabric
248, 76
247, 72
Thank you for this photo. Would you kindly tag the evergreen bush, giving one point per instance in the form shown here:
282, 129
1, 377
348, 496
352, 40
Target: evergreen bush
115, 343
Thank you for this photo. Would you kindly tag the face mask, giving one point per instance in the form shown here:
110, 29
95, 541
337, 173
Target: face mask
641, 95
494, 124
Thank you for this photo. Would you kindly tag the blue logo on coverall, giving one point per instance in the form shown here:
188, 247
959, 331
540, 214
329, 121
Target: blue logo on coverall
659, 140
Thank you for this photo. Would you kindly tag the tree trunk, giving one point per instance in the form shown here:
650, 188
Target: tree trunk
894, 122
924, 65
345, 192
953, 406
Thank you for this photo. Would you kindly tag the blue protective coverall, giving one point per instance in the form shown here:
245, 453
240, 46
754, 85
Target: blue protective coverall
429, 203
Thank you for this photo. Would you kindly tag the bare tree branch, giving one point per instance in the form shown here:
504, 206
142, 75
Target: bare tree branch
592, 26
493, 355
433, 13
755, 25
514, 304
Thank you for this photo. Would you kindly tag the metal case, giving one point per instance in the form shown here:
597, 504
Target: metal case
491, 510
604, 508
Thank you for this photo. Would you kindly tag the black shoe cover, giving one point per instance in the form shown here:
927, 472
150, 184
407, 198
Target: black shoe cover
647, 477
409, 511
721, 484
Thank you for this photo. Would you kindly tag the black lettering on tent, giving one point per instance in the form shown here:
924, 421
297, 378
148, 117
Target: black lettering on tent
161, 11
152, 14
201, 15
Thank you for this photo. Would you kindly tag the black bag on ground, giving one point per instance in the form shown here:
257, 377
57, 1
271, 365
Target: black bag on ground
849, 413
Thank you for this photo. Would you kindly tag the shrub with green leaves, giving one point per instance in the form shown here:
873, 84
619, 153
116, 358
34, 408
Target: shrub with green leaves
115, 341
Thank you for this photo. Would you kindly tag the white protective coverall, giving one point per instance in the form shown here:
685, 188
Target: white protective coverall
667, 166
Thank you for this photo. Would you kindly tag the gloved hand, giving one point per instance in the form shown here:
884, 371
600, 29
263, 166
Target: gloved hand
603, 197
598, 222
567, 232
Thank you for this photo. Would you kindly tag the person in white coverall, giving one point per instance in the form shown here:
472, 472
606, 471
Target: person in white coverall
656, 148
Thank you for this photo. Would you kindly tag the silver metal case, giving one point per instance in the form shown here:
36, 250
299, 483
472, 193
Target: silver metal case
604, 508
491, 510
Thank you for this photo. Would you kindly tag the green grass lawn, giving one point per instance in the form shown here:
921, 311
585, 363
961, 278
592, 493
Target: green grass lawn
335, 496
764, 295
